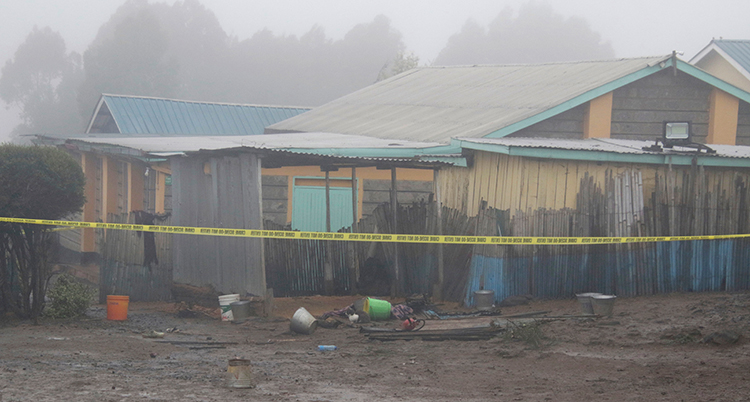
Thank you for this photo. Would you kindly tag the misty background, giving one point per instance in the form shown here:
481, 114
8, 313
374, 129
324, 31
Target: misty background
58, 57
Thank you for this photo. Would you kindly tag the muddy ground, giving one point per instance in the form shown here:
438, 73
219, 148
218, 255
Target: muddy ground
651, 349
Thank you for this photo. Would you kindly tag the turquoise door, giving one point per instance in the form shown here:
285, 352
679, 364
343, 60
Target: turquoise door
309, 208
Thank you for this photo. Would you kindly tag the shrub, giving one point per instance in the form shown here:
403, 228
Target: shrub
68, 298
39, 183
528, 332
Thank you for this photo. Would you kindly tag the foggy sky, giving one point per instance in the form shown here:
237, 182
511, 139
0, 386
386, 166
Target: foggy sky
634, 28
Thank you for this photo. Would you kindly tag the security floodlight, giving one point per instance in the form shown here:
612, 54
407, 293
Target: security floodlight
677, 134
677, 131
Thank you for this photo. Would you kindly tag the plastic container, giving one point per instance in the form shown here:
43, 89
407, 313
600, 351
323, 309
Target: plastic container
603, 305
323, 348
484, 300
377, 309
303, 322
240, 373
241, 310
584, 299
117, 307
225, 302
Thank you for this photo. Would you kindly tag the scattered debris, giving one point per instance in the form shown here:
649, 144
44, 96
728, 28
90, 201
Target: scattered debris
439, 315
463, 334
303, 322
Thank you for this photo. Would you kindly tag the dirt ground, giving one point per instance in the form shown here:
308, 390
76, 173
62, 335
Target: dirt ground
653, 348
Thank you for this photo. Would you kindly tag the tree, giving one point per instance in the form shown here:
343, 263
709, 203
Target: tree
133, 61
181, 51
312, 69
402, 62
177, 50
42, 79
40, 183
538, 34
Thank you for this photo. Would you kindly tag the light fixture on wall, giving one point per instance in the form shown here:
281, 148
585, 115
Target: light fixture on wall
678, 133
148, 170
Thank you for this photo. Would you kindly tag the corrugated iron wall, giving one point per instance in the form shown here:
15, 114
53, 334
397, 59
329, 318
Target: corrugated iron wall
626, 202
122, 270
297, 267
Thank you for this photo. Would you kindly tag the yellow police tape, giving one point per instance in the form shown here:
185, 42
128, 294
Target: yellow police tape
368, 237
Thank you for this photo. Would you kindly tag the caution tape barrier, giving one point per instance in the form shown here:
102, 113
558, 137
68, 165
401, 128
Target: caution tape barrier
367, 237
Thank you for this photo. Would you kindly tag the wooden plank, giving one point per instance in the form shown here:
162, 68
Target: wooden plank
560, 171
252, 195
532, 189
492, 180
515, 189
488, 169
543, 184
507, 180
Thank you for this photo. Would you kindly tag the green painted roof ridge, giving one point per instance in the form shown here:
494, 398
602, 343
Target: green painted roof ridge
618, 83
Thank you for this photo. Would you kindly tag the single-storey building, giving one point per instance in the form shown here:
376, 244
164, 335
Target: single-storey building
576, 149
122, 175
221, 181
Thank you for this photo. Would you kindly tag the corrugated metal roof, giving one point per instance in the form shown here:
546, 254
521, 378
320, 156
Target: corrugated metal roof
610, 145
438, 103
312, 141
161, 116
322, 144
739, 50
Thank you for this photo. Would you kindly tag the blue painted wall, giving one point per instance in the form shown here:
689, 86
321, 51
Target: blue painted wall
624, 270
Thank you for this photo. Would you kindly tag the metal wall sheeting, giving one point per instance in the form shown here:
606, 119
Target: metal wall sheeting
218, 192
122, 271
297, 267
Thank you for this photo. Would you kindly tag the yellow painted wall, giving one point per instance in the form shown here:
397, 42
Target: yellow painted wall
597, 121
109, 186
722, 118
525, 184
135, 186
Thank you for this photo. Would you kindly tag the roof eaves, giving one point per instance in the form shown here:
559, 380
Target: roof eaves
726, 56
203, 102
380, 152
96, 112
703, 52
580, 99
615, 84
441, 160
651, 158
